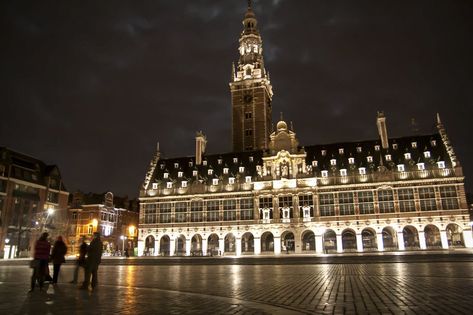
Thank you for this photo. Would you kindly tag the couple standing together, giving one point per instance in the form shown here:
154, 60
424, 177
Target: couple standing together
90, 258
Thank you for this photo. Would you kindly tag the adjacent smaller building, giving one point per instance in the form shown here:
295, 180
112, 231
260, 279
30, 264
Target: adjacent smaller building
116, 218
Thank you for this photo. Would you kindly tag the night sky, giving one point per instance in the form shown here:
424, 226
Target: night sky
92, 85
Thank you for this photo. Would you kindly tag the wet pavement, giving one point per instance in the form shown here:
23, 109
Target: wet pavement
436, 286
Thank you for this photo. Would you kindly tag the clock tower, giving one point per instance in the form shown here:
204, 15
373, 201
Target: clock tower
251, 91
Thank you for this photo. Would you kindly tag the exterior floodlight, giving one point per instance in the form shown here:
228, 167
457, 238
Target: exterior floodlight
50, 211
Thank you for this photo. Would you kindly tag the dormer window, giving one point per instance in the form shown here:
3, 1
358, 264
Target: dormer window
324, 173
179, 174
369, 159
194, 173
235, 160
231, 180
414, 145
314, 163
155, 185
248, 179
250, 159
219, 161
407, 156
184, 184
427, 154
395, 146
400, 168
176, 165
433, 143
341, 151
333, 162
225, 170
191, 164
161, 166
204, 162
441, 164
324, 152
169, 185
258, 168
377, 147
210, 171
166, 175
343, 172
351, 160
420, 166
241, 169
388, 157
215, 181
362, 171
358, 149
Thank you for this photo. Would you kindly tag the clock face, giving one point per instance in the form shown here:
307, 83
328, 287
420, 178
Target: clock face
248, 98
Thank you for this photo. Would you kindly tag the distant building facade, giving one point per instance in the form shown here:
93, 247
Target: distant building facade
33, 199
115, 218
273, 196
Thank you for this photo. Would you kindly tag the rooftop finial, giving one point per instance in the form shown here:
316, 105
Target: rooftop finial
249, 4
280, 117
439, 122
157, 146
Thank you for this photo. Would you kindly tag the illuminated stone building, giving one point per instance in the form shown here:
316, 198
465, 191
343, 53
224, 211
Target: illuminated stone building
33, 199
272, 196
115, 218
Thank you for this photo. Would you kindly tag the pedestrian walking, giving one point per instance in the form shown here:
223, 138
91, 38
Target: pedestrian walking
92, 262
80, 263
40, 261
126, 253
58, 257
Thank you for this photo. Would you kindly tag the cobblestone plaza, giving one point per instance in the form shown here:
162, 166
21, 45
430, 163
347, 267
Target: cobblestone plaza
437, 284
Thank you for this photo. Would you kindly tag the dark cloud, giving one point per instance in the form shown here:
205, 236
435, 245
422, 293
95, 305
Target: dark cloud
93, 85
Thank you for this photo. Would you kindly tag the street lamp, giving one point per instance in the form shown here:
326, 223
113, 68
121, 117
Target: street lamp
123, 238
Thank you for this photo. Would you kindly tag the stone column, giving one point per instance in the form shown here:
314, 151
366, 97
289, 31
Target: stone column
319, 244
467, 238
157, 245
422, 243
221, 246
359, 242
277, 245
379, 241
339, 244
204, 246
238, 246
400, 241
188, 247
257, 245
141, 248
172, 247
444, 239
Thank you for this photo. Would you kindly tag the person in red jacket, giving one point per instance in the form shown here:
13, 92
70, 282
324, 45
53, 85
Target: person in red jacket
41, 258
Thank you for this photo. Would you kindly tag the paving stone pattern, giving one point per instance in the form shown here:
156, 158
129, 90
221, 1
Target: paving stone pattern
397, 288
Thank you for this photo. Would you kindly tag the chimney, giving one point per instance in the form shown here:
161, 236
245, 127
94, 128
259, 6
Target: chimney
382, 130
200, 143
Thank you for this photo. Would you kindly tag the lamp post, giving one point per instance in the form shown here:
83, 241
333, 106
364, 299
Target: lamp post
123, 238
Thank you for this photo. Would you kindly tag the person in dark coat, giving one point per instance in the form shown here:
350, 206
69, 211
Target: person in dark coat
92, 262
40, 262
58, 257
80, 263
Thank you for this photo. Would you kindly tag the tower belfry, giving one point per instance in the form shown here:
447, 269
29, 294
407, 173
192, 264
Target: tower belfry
251, 90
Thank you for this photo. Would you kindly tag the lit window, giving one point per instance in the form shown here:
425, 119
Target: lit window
407, 156
377, 147
176, 165
314, 163
166, 175
215, 181
400, 167
241, 169
250, 159
340, 151
155, 185
343, 172
225, 170
248, 179
358, 149
220, 161
204, 163
184, 184
351, 160
324, 173
427, 154
179, 174
231, 180
169, 185
441, 164
210, 171
388, 157
235, 160
194, 173
420, 166
369, 159
414, 145
362, 171
333, 162
395, 146
324, 152
433, 143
